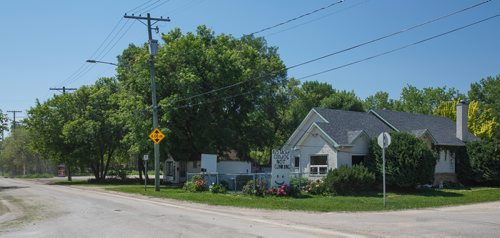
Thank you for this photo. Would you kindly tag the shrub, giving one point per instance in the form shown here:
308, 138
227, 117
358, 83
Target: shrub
260, 187
299, 183
218, 188
409, 162
345, 180
197, 184
484, 158
316, 187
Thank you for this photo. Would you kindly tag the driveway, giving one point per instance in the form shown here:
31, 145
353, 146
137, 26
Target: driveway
41, 210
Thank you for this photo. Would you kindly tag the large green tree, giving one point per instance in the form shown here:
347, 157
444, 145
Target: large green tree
80, 129
238, 117
46, 122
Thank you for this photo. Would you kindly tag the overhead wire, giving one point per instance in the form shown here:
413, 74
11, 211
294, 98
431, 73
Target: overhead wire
391, 34
402, 47
133, 9
109, 43
317, 19
357, 61
341, 51
296, 18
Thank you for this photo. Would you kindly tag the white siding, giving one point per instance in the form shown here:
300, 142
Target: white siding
315, 144
344, 158
308, 121
360, 147
446, 162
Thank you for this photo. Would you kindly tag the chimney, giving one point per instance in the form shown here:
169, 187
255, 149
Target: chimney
462, 111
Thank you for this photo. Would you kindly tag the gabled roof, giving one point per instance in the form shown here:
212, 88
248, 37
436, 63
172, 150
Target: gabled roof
442, 129
346, 126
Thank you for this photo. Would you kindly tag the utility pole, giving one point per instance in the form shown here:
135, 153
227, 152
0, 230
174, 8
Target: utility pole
14, 116
153, 50
63, 89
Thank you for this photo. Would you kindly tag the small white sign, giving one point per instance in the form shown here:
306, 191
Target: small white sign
145, 158
281, 168
384, 140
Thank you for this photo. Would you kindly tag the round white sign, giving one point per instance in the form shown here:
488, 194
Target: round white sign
384, 139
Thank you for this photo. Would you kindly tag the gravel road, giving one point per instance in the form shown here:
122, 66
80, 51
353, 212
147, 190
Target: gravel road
41, 210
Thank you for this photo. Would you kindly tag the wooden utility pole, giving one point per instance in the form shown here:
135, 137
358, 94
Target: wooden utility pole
14, 117
153, 50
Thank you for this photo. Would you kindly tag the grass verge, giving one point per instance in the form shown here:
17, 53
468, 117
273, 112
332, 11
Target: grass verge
367, 202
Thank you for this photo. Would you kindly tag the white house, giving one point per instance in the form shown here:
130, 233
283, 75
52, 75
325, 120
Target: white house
327, 139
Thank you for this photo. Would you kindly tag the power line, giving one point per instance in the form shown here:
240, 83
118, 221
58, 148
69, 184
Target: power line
389, 35
130, 11
296, 18
317, 19
355, 62
402, 47
85, 68
141, 10
155, 7
340, 51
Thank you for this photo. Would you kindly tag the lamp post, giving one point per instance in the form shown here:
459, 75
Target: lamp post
100, 62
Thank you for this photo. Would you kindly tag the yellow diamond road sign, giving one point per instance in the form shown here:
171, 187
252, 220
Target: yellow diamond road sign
156, 136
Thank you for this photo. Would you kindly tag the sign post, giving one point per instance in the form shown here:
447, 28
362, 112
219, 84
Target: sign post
156, 136
384, 140
280, 168
145, 159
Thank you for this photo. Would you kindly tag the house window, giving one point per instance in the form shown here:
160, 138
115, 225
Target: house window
358, 159
319, 164
296, 162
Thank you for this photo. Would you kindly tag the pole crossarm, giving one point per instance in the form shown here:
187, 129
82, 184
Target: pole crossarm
147, 18
63, 89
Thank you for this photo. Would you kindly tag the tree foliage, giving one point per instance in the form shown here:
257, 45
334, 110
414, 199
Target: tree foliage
409, 162
484, 160
17, 157
81, 128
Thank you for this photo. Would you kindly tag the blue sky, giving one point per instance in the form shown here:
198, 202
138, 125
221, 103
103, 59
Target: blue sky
42, 43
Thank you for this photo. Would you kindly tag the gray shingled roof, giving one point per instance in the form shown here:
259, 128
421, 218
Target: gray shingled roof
441, 128
342, 125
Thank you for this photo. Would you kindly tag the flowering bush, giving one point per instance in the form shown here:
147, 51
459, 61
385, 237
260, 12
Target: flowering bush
200, 185
197, 184
281, 191
316, 187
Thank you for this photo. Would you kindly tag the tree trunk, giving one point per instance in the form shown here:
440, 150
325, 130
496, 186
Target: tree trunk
108, 159
140, 167
69, 173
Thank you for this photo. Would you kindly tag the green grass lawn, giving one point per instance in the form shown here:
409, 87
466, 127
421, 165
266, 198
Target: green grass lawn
369, 202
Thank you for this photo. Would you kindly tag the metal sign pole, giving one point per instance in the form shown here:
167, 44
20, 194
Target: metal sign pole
145, 159
145, 174
383, 167
384, 140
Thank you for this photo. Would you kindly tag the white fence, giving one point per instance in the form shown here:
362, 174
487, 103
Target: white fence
236, 181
